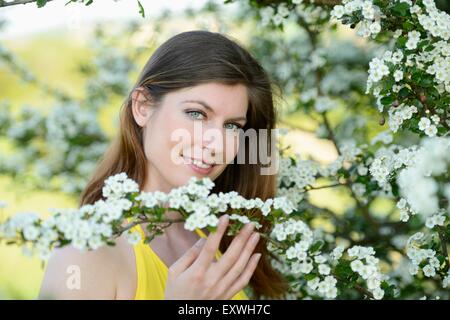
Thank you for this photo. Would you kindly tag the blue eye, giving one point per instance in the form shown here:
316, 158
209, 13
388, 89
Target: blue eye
199, 115
236, 126
195, 114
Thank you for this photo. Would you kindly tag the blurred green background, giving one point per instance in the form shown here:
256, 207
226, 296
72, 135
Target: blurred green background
54, 56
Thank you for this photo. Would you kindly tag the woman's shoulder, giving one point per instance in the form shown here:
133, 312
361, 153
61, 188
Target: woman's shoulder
93, 274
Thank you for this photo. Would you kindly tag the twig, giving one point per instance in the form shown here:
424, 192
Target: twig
331, 135
312, 36
443, 239
275, 242
141, 221
356, 286
323, 2
324, 187
13, 3
364, 210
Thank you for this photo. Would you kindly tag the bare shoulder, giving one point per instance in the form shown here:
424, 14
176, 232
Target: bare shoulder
95, 274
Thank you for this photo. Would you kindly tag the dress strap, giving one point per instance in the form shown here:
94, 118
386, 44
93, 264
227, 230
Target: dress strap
200, 233
138, 228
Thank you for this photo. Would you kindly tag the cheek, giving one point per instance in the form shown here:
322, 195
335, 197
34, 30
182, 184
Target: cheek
178, 133
150, 143
231, 147
158, 145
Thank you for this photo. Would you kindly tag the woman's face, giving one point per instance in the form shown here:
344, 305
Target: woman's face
191, 129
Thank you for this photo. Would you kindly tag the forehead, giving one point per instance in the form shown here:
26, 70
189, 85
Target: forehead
224, 99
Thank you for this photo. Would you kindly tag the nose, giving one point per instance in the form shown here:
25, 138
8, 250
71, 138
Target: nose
212, 144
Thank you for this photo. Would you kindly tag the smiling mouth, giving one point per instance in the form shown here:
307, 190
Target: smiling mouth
198, 163
198, 166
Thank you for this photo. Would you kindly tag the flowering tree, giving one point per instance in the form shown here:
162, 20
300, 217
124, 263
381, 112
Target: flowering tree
399, 80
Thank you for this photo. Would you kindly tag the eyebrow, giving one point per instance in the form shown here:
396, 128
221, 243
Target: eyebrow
204, 104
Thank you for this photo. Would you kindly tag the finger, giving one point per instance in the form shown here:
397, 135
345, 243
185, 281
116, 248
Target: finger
245, 277
186, 260
234, 251
240, 265
211, 245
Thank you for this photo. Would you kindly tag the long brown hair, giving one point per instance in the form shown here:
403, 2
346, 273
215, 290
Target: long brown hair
185, 60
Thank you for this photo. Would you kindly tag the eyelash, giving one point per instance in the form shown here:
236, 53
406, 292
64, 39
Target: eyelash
238, 126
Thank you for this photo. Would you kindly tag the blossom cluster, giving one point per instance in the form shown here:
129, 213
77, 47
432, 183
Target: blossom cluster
421, 181
387, 160
98, 224
94, 225
304, 259
401, 77
424, 259
279, 13
371, 15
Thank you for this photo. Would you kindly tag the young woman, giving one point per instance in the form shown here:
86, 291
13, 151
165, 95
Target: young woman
196, 77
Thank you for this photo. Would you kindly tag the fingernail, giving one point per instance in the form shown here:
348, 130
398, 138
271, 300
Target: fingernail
225, 218
200, 242
258, 256
250, 226
255, 237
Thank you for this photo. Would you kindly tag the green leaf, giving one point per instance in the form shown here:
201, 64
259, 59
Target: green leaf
317, 246
41, 3
141, 9
416, 75
310, 276
408, 25
400, 9
389, 83
401, 41
388, 289
423, 43
403, 93
441, 259
387, 100
426, 82
395, 190
432, 91
429, 48
343, 269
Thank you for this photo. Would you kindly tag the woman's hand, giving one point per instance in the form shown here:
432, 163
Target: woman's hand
196, 275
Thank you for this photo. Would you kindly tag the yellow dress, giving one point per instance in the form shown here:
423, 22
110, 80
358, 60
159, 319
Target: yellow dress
152, 271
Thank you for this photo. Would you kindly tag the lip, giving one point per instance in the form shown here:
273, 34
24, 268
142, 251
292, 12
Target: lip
198, 169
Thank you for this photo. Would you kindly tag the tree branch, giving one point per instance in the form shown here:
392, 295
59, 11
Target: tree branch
360, 289
443, 239
331, 135
3, 3
141, 221
324, 2
324, 187
313, 2
365, 210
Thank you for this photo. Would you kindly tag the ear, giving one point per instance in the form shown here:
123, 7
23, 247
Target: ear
141, 106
